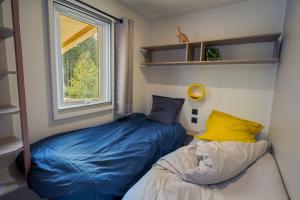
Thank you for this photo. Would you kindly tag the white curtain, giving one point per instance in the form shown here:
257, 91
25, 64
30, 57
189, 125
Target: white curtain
123, 67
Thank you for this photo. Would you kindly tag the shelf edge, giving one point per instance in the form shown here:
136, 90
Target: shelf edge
10, 142
8, 109
221, 62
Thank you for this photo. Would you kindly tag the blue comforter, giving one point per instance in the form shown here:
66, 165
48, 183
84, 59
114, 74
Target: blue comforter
101, 162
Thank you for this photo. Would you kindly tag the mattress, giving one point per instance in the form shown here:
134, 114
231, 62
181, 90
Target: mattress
261, 181
101, 162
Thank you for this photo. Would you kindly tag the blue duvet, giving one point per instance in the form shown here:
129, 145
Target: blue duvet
101, 162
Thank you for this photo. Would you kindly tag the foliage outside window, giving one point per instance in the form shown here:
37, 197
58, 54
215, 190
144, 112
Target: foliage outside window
83, 58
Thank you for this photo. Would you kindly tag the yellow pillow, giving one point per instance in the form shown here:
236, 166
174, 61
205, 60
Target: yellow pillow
224, 127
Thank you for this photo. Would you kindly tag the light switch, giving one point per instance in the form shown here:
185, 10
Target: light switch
195, 111
194, 120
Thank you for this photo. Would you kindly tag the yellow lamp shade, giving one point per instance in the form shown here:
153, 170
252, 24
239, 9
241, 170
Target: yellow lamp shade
196, 92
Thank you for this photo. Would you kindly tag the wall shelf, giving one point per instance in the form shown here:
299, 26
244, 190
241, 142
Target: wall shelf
8, 109
11, 179
212, 62
4, 72
193, 53
6, 33
9, 145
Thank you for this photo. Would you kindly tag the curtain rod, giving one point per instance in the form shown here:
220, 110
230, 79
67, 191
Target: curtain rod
105, 13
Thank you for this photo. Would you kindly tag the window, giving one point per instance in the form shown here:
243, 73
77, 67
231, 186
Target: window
81, 51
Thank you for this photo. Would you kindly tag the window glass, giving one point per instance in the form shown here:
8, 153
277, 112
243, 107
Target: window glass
80, 53
83, 58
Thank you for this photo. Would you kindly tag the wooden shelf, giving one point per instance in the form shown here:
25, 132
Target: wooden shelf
3, 73
212, 62
245, 40
165, 47
8, 109
9, 145
11, 179
258, 61
193, 53
8, 181
6, 33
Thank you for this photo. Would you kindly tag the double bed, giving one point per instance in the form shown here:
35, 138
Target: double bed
101, 162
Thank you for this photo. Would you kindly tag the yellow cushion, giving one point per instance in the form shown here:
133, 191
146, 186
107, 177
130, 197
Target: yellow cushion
224, 127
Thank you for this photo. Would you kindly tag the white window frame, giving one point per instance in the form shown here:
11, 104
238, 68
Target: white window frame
86, 107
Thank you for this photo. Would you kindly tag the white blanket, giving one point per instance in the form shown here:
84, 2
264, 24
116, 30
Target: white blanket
212, 162
166, 180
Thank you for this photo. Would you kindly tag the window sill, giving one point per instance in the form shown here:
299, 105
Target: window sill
83, 110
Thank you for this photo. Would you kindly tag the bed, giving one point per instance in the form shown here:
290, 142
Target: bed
101, 162
261, 181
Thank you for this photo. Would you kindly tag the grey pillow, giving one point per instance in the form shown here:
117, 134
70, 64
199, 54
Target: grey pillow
165, 109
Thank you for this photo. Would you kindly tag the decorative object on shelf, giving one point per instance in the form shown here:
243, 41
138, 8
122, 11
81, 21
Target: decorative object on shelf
183, 38
196, 92
212, 54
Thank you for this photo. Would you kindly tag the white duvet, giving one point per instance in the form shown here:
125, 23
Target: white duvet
216, 161
192, 171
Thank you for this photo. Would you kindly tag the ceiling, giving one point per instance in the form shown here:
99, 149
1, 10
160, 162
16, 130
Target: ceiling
155, 9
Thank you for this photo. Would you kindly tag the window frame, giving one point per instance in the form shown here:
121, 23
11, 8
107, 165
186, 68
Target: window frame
56, 63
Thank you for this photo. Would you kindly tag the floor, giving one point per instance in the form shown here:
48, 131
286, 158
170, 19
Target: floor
22, 194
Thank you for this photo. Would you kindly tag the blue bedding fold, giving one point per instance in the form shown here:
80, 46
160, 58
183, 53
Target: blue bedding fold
101, 162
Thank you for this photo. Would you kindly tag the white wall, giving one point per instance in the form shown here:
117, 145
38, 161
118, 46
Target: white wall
243, 90
34, 33
285, 126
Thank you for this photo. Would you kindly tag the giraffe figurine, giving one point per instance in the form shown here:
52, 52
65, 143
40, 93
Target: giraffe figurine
181, 36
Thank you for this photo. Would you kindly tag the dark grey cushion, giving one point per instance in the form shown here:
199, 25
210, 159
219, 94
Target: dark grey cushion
165, 109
